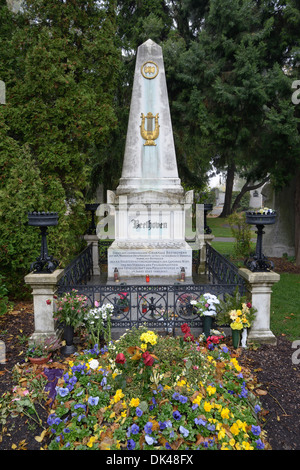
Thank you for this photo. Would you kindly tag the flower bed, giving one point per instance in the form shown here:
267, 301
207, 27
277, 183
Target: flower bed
151, 392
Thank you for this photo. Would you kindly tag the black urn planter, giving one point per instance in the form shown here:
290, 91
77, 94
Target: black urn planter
207, 208
92, 227
259, 263
68, 336
43, 220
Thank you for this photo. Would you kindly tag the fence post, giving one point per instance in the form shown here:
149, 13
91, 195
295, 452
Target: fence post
208, 238
44, 286
261, 289
93, 239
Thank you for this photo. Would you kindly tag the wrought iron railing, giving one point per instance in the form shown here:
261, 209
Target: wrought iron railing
80, 270
221, 271
160, 306
155, 306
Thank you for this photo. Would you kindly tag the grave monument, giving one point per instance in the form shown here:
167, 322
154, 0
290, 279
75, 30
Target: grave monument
150, 206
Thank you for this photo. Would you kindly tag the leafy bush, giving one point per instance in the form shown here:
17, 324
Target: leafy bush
241, 231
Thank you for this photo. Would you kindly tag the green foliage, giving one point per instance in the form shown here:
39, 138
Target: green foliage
242, 234
60, 107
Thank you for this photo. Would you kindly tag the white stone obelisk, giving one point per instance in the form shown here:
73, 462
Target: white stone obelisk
150, 165
149, 203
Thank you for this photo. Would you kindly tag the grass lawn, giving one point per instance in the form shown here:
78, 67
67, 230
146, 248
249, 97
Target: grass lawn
285, 306
219, 227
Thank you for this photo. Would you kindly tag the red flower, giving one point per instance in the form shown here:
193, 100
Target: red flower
188, 337
249, 305
120, 359
48, 302
185, 328
148, 359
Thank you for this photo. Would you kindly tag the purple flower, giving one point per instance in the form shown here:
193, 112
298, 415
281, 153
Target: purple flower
150, 440
135, 429
139, 412
130, 444
199, 422
259, 444
148, 427
255, 430
63, 391
176, 415
93, 401
182, 399
183, 431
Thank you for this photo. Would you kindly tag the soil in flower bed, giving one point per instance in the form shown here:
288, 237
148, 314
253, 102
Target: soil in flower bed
278, 386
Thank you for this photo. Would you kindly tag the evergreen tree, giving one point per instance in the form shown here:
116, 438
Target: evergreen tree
60, 68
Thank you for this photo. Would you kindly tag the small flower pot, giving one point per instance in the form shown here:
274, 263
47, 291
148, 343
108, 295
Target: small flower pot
207, 323
69, 348
39, 360
236, 335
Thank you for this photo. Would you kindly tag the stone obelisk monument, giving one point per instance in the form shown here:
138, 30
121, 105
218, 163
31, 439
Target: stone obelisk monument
149, 203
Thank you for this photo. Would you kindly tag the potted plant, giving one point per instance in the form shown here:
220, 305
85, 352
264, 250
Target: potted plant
40, 352
239, 314
206, 307
123, 302
97, 322
70, 311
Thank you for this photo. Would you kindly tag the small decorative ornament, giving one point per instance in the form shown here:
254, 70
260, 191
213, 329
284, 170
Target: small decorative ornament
149, 130
149, 70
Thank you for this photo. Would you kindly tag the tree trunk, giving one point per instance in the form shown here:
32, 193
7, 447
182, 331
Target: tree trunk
297, 219
228, 191
247, 187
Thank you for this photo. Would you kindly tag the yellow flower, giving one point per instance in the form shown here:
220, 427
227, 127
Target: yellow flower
225, 413
232, 442
144, 346
224, 446
211, 390
134, 402
91, 441
234, 429
221, 434
124, 414
149, 337
239, 312
181, 383
247, 446
242, 425
236, 364
197, 400
207, 406
119, 394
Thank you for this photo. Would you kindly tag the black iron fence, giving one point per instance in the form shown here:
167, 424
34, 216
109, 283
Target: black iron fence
154, 306
79, 271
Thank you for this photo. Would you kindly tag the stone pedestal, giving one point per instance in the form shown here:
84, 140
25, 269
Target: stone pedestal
93, 239
149, 204
261, 289
208, 238
44, 288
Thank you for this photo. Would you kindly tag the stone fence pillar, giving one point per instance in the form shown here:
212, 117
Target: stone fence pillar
208, 238
261, 289
93, 239
44, 286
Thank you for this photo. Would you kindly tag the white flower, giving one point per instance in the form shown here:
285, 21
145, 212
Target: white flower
193, 302
94, 364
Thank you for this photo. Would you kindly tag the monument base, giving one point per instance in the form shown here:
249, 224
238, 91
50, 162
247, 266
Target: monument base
161, 259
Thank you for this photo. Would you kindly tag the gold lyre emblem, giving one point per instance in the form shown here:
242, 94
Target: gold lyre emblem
149, 132
149, 70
